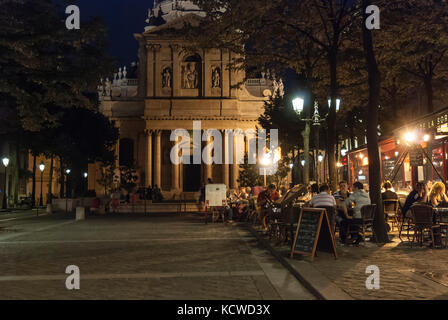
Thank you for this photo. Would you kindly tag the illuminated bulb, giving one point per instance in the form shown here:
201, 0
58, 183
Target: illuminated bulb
410, 137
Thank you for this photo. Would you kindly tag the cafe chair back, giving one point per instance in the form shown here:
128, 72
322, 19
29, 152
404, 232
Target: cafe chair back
423, 216
391, 208
367, 218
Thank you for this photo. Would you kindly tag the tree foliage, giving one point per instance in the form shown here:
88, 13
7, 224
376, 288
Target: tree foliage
46, 67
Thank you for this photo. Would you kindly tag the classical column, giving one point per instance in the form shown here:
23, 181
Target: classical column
225, 159
148, 163
117, 146
208, 165
175, 169
235, 166
158, 160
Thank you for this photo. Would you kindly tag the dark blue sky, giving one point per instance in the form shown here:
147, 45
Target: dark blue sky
123, 18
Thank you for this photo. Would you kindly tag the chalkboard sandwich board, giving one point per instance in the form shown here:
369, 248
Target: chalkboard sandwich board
313, 233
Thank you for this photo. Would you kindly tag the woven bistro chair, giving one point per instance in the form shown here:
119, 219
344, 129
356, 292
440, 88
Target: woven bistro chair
367, 216
391, 209
423, 216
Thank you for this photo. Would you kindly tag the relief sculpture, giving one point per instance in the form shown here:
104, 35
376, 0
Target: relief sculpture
166, 78
216, 77
190, 76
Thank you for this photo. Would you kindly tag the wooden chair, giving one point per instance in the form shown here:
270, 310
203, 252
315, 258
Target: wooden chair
368, 216
391, 209
423, 216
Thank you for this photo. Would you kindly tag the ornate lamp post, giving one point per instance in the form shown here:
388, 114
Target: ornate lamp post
265, 162
41, 168
67, 172
298, 104
5, 161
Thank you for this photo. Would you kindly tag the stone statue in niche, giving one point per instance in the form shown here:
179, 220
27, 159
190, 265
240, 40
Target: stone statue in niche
189, 76
166, 78
216, 77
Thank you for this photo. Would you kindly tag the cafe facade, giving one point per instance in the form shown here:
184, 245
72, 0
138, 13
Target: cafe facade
416, 152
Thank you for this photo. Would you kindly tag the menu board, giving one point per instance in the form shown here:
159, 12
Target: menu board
313, 232
215, 195
416, 157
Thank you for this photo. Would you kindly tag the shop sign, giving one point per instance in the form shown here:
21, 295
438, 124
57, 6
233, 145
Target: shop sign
434, 122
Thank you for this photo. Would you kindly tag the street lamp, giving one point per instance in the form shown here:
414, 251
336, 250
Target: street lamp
297, 104
67, 171
5, 161
320, 157
343, 150
265, 162
41, 168
338, 104
85, 174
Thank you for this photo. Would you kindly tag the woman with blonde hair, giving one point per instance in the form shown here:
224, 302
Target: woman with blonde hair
437, 194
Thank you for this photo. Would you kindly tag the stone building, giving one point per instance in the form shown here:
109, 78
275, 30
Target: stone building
175, 87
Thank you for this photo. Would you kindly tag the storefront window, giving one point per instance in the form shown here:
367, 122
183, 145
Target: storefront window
437, 161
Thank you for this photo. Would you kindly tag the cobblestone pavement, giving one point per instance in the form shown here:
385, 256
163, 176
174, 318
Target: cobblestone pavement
405, 272
137, 257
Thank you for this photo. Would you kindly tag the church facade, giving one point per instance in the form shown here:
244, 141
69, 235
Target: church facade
173, 88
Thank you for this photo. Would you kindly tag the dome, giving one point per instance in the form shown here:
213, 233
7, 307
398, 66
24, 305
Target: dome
169, 10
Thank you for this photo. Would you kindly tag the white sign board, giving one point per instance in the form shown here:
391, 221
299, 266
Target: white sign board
215, 195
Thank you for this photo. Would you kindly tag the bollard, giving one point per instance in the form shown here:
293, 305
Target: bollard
80, 213
49, 208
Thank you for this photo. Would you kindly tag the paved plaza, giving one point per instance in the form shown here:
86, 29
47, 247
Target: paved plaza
406, 272
137, 257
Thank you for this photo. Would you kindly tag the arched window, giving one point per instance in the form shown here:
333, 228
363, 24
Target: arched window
126, 152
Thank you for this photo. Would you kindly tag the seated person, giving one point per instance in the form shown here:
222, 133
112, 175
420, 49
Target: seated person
437, 195
157, 194
242, 202
419, 194
358, 198
340, 196
265, 199
388, 194
227, 210
323, 198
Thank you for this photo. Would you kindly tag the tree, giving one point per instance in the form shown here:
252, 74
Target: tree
44, 65
372, 128
106, 179
320, 25
250, 174
421, 50
46, 69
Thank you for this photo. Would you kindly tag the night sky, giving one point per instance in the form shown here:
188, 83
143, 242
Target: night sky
123, 18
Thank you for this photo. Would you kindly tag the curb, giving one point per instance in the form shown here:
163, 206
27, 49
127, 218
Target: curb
314, 281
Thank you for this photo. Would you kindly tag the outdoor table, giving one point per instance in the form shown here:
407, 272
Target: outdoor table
440, 215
